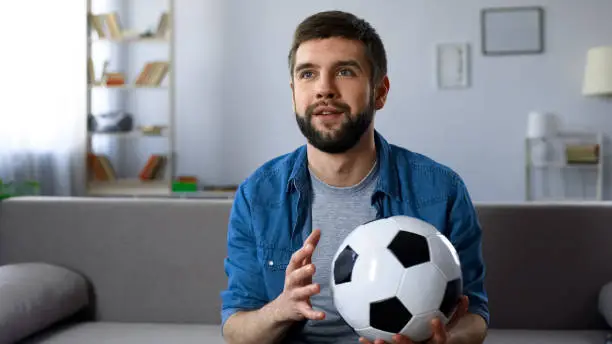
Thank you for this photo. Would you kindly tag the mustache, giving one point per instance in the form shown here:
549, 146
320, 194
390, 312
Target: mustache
338, 105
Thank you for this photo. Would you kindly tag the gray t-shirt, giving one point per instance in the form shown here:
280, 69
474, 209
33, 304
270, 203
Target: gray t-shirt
336, 212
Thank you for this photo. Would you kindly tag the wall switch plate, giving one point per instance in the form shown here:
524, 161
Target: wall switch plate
452, 64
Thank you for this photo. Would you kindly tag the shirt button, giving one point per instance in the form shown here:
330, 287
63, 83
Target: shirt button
270, 263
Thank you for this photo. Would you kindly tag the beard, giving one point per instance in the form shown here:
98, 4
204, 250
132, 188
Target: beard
344, 138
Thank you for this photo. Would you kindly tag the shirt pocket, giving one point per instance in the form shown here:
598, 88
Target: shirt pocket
274, 259
274, 262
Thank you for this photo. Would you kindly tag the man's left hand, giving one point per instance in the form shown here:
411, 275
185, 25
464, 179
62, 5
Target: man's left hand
440, 333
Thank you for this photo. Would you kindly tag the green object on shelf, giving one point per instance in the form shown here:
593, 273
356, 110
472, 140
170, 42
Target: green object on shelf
13, 189
184, 187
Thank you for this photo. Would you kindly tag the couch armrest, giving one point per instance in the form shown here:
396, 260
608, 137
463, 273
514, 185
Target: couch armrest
34, 296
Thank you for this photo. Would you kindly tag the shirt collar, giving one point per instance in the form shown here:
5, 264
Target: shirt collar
388, 181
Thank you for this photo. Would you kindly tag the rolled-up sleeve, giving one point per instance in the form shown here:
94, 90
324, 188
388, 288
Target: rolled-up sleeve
466, 236
246, 288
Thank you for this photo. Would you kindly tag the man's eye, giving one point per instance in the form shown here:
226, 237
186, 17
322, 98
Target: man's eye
346, 72
305, 74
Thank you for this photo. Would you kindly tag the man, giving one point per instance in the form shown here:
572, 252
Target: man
291, 214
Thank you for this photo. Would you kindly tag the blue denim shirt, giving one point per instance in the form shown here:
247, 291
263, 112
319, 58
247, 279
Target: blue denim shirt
269, 221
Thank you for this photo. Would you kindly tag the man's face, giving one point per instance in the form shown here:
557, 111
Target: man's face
333, 98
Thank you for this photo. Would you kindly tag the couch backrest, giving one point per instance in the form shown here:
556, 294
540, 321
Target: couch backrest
162, 260
147, 259
546, 264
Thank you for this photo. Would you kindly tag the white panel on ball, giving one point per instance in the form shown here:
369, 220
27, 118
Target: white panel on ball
382, 232
372, 334
377, 275
348, 301
444, 255
414, 225
422, 288
419, 328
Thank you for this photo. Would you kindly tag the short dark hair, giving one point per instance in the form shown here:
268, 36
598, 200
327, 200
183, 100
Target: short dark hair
346, 25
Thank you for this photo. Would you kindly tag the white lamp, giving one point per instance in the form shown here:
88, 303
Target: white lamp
541, 125
598, 72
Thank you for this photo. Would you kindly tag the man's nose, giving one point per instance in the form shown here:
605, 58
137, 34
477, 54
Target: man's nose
326, 88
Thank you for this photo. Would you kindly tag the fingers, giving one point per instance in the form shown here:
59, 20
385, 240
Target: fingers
313, 239
461, 310
298, 257
300, 276
304, 292
310, 313
439, 332
303, 255
399, 339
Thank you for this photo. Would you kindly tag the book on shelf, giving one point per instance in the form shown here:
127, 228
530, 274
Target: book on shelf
96, 22
91, 72
153, 168
100, 168
114, 79
582, 153
163, 27
109, 26
106, 25
114, 25
153, 73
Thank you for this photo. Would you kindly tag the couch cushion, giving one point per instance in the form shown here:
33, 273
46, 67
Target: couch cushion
605, 302
129, 333
136, 333
36, 295
149, 260
545, 337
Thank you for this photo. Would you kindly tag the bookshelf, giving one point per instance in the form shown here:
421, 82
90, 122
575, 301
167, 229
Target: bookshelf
566, 167
131, 97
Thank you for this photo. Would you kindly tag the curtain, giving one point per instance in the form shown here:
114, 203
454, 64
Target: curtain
43, 94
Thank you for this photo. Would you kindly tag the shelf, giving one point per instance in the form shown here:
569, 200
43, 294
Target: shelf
161, 188
122, 26
566, 145
130, 40
561, 165
131, 134
130, 187
127, 87
569, 135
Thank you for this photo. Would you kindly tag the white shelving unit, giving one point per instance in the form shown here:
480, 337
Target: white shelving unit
559, 178
149, 105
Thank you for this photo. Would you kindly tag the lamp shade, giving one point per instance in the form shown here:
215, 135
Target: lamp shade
541, 125
598, 72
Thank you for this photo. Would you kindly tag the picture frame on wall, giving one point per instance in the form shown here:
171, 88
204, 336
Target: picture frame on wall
512, 30
452, 66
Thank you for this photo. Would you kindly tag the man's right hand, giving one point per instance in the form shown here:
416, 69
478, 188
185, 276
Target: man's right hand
293, 304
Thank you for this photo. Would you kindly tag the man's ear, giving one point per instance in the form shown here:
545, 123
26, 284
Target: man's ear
382, 90
292, 95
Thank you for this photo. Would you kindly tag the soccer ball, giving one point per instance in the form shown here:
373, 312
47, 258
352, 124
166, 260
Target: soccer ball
394, 275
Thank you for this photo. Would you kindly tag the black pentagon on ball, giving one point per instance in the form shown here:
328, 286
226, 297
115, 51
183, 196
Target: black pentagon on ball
452, 295
409, 248
343, 267
389, 315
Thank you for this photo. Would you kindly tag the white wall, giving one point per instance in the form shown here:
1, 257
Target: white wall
200, 73
234, 99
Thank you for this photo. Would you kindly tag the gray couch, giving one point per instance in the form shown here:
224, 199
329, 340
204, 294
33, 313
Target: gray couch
155, 270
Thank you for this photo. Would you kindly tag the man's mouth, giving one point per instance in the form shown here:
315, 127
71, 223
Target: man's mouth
328, 111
